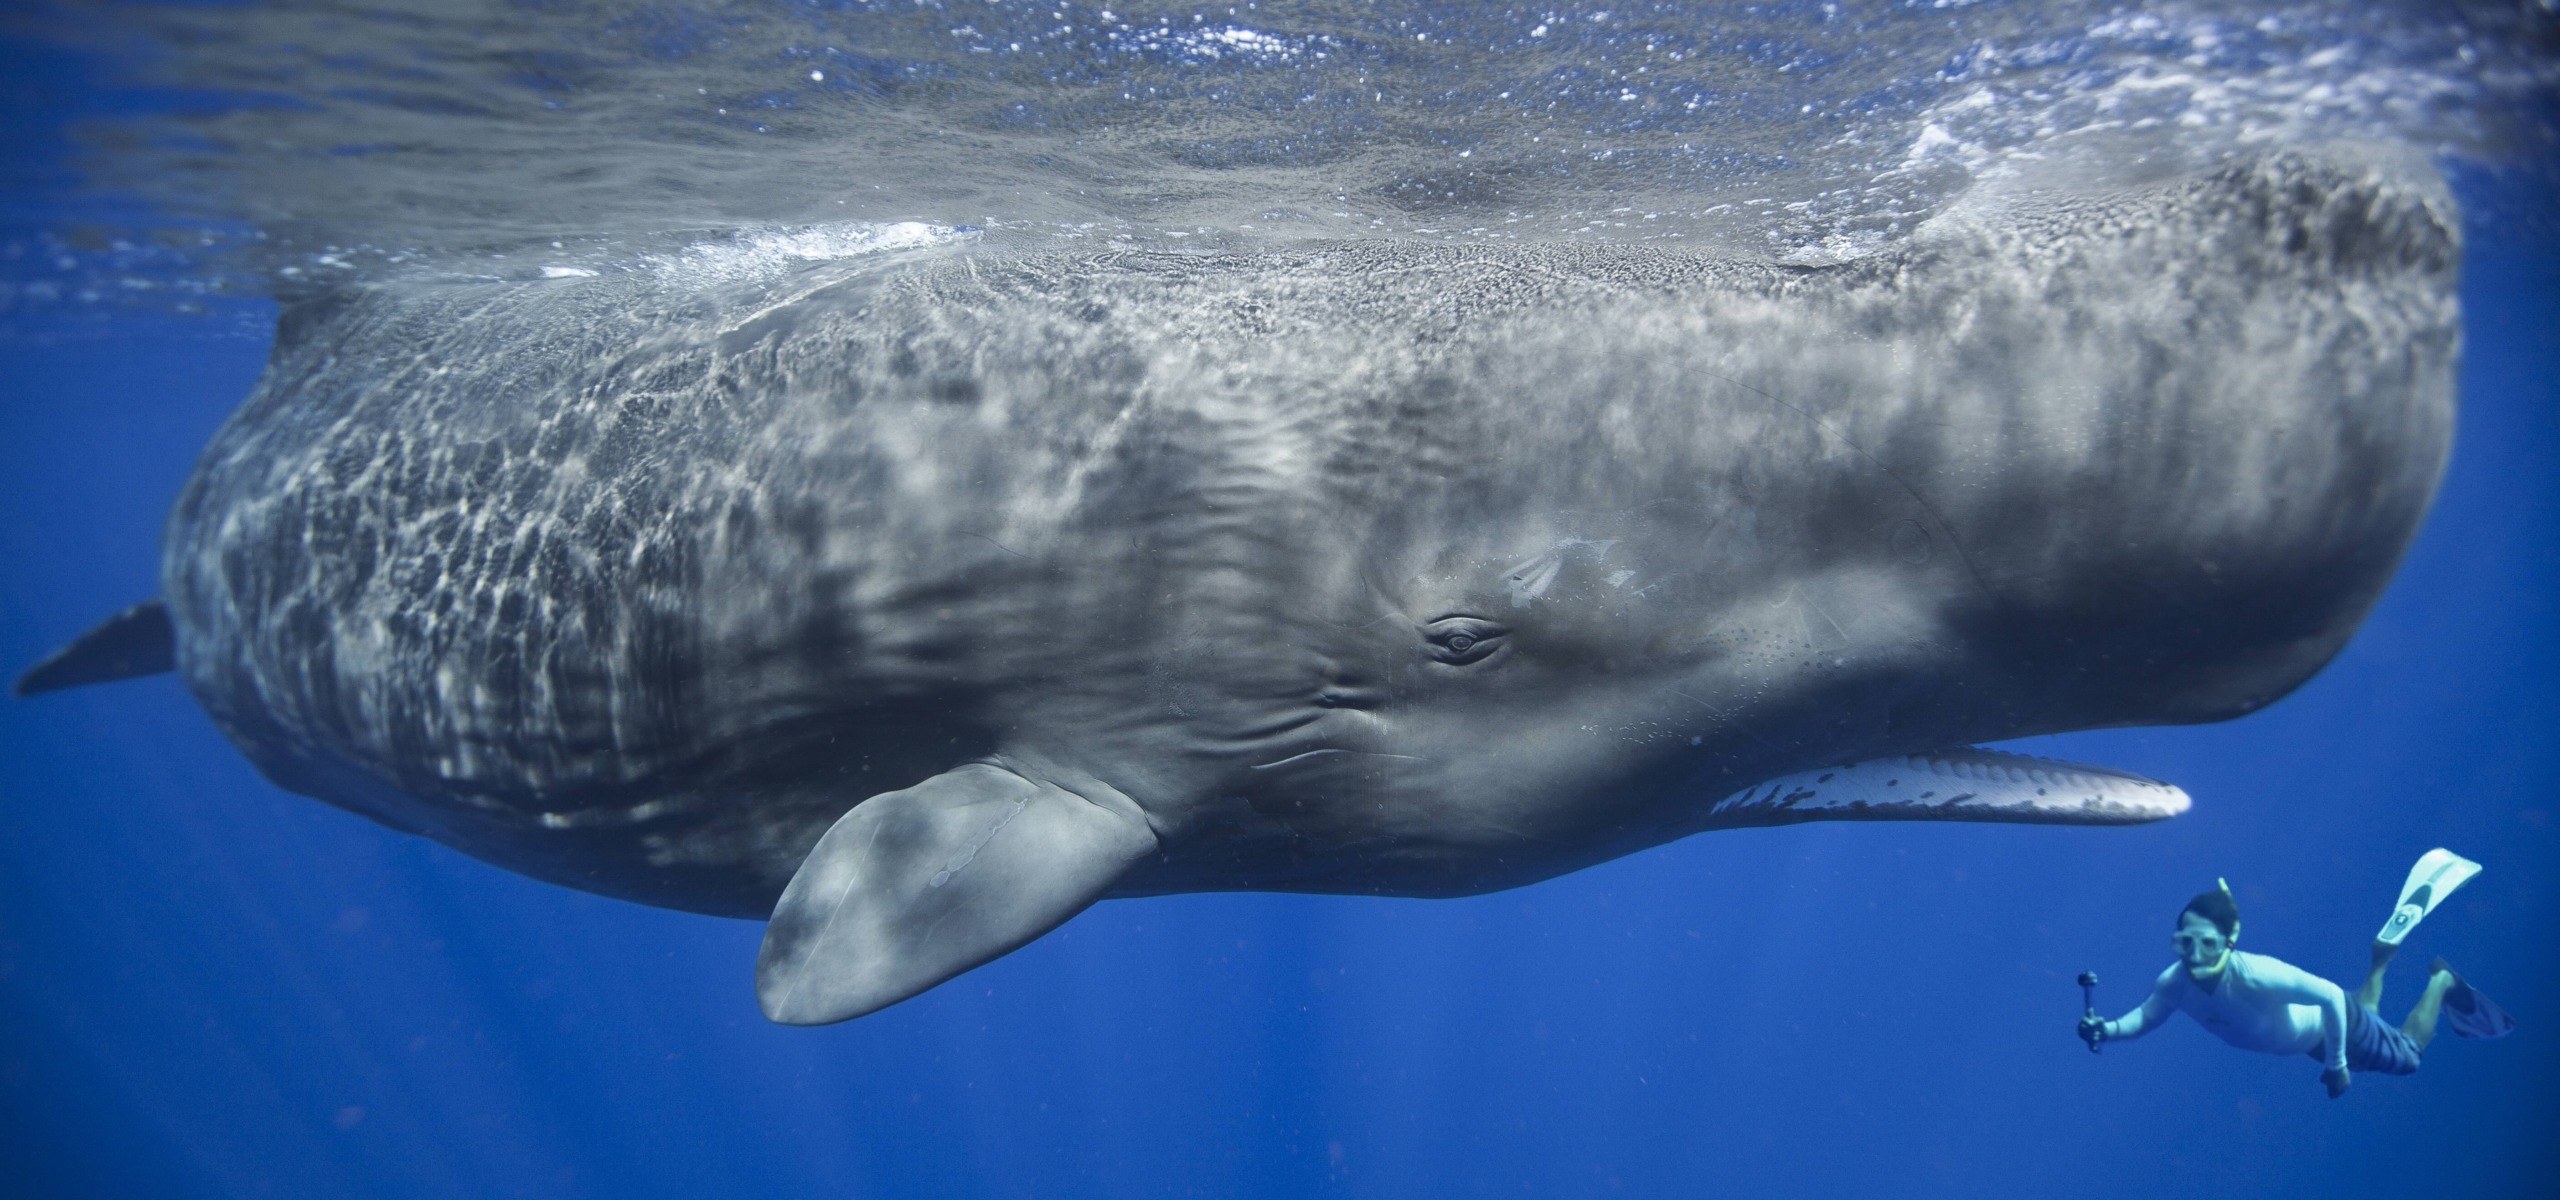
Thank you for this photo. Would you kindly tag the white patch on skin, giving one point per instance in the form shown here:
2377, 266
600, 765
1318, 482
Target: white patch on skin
1530, 580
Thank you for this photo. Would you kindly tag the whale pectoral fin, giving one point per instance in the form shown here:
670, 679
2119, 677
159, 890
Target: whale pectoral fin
913, 887
1953, 785
129, 645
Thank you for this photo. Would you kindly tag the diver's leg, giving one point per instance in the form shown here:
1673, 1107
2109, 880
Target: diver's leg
2369, 997
2421, 1025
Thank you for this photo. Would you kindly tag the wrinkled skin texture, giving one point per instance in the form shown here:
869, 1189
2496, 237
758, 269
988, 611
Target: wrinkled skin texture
1356, 567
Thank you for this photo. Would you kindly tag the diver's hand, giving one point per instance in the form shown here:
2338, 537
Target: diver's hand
2335, 1079
2093, 1030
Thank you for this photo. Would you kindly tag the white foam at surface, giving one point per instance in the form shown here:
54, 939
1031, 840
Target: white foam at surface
762, 253
2193, 106
1201, 128
1232, 43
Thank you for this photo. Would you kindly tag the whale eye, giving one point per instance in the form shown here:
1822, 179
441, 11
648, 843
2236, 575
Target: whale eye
1460, 640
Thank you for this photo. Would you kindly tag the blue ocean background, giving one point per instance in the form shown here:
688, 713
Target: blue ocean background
212, 988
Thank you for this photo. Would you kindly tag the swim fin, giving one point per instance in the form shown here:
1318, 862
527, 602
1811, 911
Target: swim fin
2438, 872
2472, 1014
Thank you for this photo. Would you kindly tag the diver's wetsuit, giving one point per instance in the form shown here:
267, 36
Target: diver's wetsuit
2257, 1003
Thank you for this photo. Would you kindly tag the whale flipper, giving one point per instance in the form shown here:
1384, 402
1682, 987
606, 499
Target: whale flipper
913, 887
128, 645
1954, 785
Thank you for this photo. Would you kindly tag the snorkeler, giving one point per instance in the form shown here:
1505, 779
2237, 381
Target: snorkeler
2265, 1004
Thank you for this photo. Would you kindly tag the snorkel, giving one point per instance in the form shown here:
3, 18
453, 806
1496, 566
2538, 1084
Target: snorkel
2208, 929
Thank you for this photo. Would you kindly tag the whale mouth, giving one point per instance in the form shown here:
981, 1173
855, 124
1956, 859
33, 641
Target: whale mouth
1964, 784
1309, 754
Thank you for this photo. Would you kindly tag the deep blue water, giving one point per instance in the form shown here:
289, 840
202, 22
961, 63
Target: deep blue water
212, 988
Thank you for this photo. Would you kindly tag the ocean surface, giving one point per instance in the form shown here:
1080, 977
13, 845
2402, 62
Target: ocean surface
210, 987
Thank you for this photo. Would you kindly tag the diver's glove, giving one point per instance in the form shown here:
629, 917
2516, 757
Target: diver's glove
2335, 1079
2093, 1030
